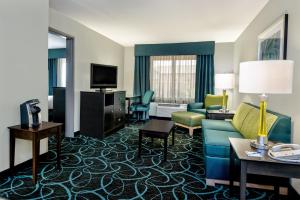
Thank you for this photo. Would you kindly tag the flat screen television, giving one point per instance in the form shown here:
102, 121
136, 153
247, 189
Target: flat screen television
104, 76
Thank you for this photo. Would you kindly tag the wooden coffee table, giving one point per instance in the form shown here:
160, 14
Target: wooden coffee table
157, 129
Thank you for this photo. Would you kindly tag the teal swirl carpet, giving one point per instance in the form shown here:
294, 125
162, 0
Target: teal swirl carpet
109, 169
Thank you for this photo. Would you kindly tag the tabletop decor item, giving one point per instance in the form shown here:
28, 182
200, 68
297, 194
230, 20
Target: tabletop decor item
265, 77
224, 82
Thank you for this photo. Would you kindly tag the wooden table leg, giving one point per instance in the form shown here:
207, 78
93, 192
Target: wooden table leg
243, 180
165, 148
12, 150
231, 170
140, 143
173, 136
58, 147
35, 157
128, 108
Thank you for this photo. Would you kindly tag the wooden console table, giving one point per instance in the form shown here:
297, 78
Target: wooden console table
45, 130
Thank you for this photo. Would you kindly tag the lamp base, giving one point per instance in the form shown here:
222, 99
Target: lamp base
261, 143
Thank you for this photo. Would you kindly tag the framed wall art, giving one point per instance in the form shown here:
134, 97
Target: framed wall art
272, 43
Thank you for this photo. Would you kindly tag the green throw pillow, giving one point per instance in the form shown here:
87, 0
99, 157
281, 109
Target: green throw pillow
240, 115
250, 125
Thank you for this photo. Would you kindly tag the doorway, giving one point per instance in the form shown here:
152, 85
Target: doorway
61, 80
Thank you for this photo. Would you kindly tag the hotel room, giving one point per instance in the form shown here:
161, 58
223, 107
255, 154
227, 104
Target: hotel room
107, 99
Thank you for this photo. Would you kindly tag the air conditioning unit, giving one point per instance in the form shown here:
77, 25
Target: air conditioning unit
165, 109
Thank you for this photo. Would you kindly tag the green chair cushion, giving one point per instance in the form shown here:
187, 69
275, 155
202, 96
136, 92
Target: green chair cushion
216, 142
200, 111
211, 100
217, 125
190, 119
139, 108
250, 125
240, 115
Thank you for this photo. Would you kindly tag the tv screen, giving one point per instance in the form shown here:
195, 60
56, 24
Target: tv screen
103, 76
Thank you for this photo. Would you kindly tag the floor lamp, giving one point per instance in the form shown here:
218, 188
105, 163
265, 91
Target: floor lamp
224, 82
265, 77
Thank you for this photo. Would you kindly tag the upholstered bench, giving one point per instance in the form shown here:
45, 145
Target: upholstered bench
189, 120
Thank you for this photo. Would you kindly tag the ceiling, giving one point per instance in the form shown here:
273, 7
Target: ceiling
56, 41
130, 22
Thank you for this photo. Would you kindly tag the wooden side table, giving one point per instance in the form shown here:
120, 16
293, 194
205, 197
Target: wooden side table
46, 129
257, 165
217, 115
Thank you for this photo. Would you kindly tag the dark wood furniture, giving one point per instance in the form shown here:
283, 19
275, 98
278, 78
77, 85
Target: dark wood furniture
129, 99
59, 105
157, 129
257, 165
218, 115
101, 113
46, 129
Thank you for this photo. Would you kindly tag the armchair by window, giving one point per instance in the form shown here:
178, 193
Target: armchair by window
143, 107
211, 102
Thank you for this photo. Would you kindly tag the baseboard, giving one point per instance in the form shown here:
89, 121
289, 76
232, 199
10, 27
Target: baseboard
76, 133
213, 182
19, 167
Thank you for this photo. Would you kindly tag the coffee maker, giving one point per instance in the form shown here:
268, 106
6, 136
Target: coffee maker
30, 114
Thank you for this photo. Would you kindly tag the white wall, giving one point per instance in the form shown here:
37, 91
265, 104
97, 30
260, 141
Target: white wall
90, 47
223, 64
128, 70
23, 68
246, 49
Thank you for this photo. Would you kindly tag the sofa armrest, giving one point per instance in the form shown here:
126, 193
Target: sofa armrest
192, 106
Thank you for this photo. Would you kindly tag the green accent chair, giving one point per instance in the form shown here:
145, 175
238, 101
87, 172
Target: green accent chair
188, 120
141, 109
216, 135
211, 102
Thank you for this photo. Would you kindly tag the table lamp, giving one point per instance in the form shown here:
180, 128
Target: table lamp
224, 82
265, 77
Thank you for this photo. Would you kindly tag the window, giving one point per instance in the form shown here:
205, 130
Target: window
173, 78
62, 72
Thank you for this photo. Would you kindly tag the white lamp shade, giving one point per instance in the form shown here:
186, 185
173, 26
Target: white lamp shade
224, 81
266, 77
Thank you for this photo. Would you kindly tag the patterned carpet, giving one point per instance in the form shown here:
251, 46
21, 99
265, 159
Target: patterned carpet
109, 169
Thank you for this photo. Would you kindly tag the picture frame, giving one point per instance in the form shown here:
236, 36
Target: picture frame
272, 42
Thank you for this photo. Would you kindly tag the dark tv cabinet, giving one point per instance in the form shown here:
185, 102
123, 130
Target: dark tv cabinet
101, 113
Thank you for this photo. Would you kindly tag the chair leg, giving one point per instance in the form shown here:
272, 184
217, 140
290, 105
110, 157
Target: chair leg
191, 130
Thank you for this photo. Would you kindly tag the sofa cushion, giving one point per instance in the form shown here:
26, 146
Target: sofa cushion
240, 115
200, 111
216, 142
190, 119
250, 125
217, 125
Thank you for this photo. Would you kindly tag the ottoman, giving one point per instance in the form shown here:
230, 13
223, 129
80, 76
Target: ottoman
189, 120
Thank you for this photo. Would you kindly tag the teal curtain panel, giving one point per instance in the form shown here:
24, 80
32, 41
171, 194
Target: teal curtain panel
56, 53
52, 73
205, 77
141, 75
172, 49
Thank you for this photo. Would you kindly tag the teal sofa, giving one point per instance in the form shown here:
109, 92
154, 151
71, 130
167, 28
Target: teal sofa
244, 125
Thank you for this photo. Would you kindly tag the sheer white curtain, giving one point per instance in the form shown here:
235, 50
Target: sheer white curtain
172, 78
61, 72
